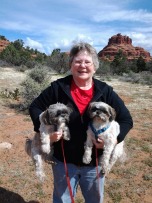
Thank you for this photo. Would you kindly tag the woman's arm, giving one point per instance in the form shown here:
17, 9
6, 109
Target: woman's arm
123, 116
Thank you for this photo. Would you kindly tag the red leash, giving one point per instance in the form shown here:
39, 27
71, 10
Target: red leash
97, 164
67, 175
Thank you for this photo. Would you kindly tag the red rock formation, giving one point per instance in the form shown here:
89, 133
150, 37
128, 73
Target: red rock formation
3, 44
123, 43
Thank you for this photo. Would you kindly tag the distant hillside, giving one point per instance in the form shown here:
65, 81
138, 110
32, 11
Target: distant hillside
123, 43
3, 43
115, 43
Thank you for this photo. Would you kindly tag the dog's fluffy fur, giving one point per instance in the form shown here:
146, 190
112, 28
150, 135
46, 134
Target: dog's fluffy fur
103, 115
55, 118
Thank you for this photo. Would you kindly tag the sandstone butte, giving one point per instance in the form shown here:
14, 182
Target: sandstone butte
123, 43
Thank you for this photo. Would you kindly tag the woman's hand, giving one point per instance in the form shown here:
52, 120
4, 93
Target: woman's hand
99, 143
56, 136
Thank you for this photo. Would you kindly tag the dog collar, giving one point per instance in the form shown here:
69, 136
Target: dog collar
97, 132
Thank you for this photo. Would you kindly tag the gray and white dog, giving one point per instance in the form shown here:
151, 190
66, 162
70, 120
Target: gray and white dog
55, 118
103, 126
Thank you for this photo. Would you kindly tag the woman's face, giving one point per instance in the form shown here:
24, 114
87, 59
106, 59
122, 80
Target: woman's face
82, 67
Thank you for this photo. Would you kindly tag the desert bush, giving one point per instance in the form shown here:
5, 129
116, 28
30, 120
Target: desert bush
144, 77
147, 177
149, 65
147, 77
104, 68
141, 64
148, 162
120, 64
38, 74
131, 77
15, 94
58, 61
33, 85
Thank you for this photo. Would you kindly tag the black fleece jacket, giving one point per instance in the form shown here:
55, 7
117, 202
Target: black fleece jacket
59, 91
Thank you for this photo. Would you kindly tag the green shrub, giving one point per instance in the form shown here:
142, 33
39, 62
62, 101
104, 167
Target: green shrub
144, 77
147, 177
38, 74
33, 85
147, 78
15, 94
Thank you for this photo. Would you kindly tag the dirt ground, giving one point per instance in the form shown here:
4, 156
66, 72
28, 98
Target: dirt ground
130, 182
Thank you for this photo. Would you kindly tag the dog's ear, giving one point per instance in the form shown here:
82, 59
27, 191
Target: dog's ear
44, 117
112, 114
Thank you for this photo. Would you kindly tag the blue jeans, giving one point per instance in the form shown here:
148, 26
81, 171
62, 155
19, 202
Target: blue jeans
85, 176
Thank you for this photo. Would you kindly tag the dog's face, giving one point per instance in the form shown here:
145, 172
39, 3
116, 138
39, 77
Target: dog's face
56, 114
101, 111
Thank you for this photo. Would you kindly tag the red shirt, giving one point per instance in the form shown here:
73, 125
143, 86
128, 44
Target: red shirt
81, 97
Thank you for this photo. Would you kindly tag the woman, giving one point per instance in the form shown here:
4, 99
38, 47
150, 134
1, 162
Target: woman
78, 90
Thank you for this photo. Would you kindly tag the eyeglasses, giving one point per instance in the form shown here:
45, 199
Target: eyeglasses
86, 63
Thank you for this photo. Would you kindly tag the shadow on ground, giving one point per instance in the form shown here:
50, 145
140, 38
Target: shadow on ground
7, 196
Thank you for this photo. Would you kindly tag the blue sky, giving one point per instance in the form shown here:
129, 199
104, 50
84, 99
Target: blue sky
49, 24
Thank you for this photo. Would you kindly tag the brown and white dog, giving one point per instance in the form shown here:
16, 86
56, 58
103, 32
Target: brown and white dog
55, 118
103, 126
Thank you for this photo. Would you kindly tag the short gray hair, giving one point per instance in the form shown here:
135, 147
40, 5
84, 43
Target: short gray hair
83, 46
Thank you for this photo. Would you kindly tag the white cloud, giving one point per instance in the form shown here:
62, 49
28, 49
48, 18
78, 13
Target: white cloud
82, 37
15, 26
46, 25
62, 44
65, 44
34, 44
123, 15
140, 39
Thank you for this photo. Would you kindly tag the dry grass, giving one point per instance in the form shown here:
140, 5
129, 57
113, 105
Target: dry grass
127, 183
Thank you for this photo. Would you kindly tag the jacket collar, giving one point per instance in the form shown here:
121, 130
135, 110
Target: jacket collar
100, 87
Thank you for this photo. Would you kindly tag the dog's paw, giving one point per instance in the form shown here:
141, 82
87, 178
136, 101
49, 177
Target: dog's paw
104, 171
41, 176
86, 160
66, 136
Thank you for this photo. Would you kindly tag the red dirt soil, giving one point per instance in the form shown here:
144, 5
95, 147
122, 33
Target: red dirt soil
128, 183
